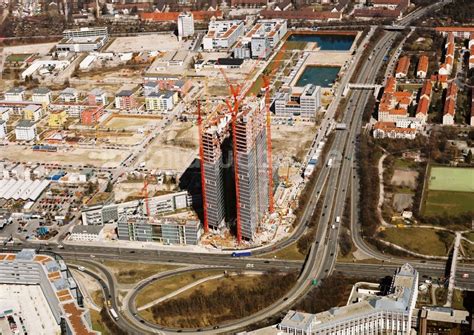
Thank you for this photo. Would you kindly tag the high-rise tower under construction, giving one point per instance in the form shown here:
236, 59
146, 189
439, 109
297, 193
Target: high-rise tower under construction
236, 190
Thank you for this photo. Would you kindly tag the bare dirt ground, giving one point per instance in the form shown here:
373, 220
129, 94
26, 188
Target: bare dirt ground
79, 156
402, 201
154, 42
174, 149
289, 141
405, 178
130, 123
41, 48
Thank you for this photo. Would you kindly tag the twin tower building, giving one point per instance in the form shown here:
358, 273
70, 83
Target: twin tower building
235, 168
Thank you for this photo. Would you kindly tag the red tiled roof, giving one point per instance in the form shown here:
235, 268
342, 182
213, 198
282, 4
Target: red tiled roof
300, 15
391, 85
423, 63
173, 16
426, 89
455, 29
423, 107
403, 65
376, 12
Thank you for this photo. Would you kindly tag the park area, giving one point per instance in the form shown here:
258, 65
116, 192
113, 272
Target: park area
449, 190
421, 240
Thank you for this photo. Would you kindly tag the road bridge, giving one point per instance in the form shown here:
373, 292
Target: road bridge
360, 86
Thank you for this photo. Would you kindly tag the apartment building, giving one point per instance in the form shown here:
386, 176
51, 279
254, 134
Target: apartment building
42, 95
161, 101
91, 116
69, 95
422, 68
259, 42
301, 102
97, 97
25, 130
3, 129
15, 94
449, 110
185, 24
402, 67
57, 119
5, 113
32, 113
389, 314
222, 34
472, 108
125, 100
423, 106
447, 66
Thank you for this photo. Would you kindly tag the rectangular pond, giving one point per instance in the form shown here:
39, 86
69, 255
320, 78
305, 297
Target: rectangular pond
323, 76
326, 42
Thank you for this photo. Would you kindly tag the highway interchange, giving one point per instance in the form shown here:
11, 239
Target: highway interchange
337, 180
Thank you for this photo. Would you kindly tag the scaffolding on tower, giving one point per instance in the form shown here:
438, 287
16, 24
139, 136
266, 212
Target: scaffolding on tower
201, 159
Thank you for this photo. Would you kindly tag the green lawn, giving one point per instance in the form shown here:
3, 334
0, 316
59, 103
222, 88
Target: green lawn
470, 236
421, 240
17, 57
451, 179
440, 202
404, 164
132, 272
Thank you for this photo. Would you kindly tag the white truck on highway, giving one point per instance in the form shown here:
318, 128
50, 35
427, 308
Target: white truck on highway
338, 219
329, 163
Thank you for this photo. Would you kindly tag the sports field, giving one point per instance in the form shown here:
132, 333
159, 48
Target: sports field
451, 179
450, 191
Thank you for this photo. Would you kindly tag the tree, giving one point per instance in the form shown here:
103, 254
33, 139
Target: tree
469, 157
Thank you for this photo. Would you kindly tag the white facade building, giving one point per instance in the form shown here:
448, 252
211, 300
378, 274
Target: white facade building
25, 130
298, 102
3, 129
390, 314
222, 34
5, 113
15, 94
185, 25
42, 95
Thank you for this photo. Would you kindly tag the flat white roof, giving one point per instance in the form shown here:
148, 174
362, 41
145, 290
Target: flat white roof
29, 303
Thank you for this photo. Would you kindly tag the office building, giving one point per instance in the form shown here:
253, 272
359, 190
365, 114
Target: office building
164, 230
40, 296
83, 39
159, 205
389, 314
222, 34
185, 25
302, 102
25, 130
224, 196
